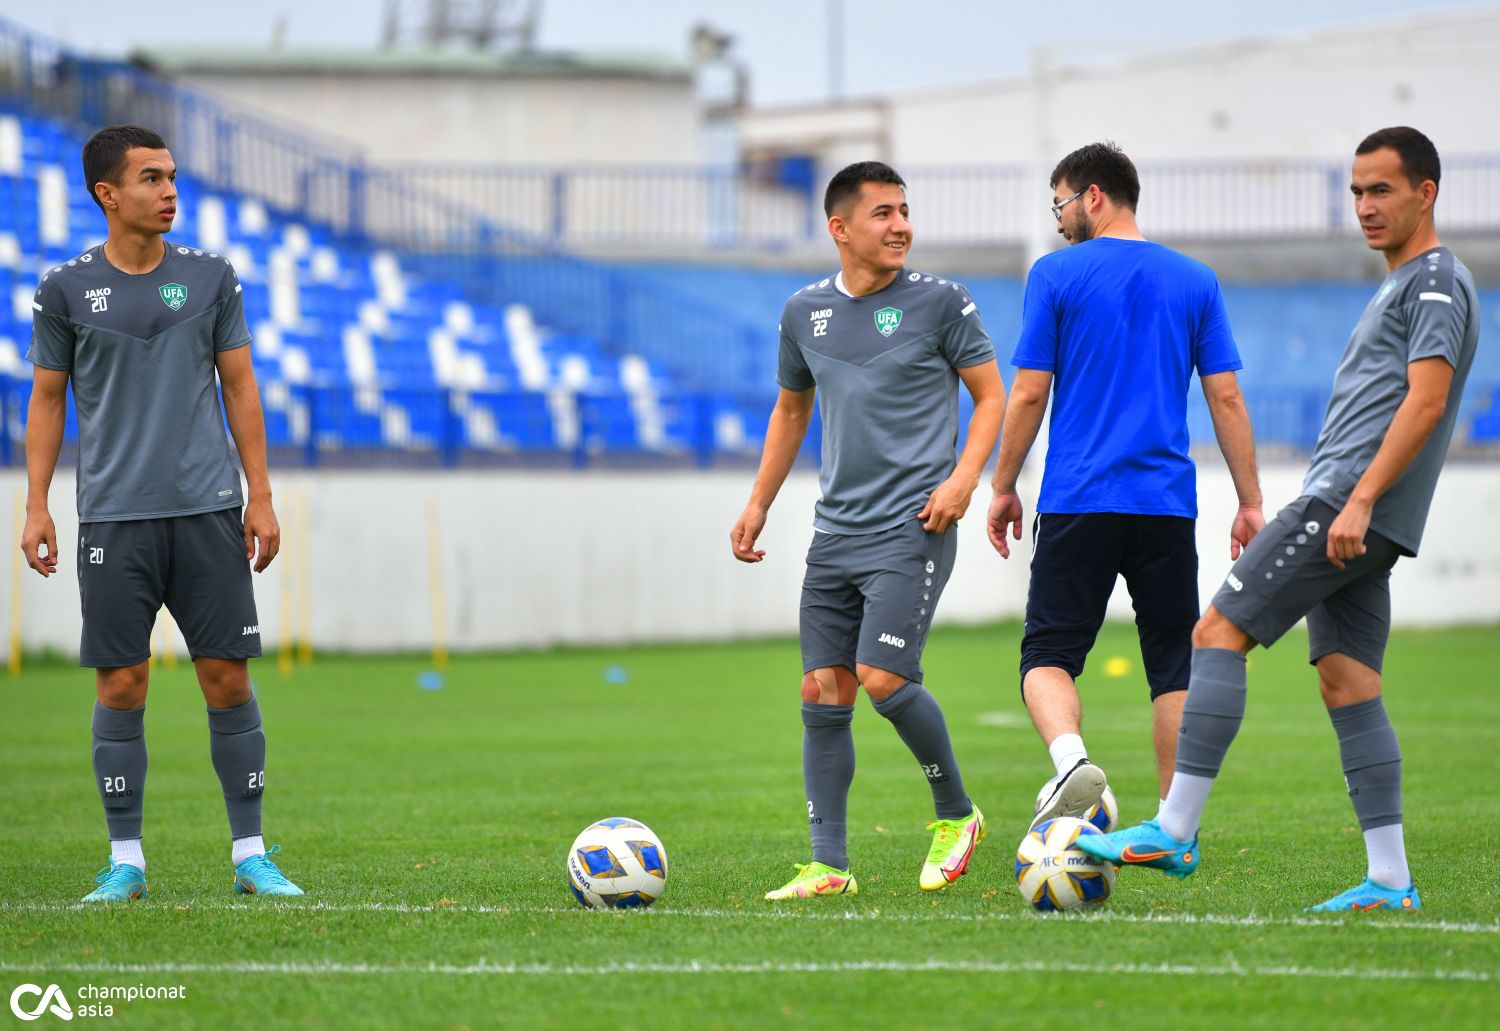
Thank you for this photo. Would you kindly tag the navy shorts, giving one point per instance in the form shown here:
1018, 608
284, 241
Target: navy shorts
1076, 559
195, 565
869, 598
1285, 575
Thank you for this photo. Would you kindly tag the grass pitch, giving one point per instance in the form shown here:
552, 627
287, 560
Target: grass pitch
429, 829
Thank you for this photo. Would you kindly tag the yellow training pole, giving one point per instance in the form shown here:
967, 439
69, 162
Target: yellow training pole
435, 586
17, 564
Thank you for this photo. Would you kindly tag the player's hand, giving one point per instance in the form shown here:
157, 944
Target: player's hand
946, 505
1346, 537
261, 528
37, 534
1005, 511
742, 538
1248, 522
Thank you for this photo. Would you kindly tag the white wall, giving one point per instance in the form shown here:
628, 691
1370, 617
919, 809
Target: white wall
543, 558
517, 120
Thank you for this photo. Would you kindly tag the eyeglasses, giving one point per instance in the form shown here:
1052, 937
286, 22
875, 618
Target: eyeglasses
1057, 208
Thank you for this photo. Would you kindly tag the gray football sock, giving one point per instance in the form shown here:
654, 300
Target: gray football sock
918, 718
827, 772
238, 749
1212, 711
120, 768
1372, 761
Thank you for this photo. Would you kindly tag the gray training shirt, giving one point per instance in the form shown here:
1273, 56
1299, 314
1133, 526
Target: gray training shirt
140, 352
1427, 308
885, 367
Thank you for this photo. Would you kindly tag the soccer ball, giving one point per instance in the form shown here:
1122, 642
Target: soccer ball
1104, 814
617, 863
1052, 873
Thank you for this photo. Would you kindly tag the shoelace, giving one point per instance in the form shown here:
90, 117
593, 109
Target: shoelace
948, 832
262, 867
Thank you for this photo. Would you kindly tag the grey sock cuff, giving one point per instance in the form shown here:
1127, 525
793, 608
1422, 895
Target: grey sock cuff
892, 704
816, 715
1366, 737
238, 720
119, 724
1218, 683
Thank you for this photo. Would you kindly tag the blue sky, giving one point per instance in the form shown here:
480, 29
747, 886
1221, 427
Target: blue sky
887, 46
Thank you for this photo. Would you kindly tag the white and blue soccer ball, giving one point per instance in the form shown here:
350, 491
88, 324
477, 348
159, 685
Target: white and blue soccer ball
1053, 874
617, 863
1104, 814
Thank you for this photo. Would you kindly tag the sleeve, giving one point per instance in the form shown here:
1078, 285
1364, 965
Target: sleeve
791, 367
51, 329
1037, 348
1214, 349
230, 330
1438, 317
964, 341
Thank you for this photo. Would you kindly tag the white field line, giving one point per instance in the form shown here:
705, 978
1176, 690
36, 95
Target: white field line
487, 969
850, 916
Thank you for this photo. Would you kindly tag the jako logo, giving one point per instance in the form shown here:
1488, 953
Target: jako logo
250, 630
1234, 582
52, 998
899, 642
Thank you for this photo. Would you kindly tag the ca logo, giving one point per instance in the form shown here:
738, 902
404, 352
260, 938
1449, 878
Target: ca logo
53, 997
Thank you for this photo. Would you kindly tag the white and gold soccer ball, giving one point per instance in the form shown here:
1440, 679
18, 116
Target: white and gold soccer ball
617, 863
1053, 874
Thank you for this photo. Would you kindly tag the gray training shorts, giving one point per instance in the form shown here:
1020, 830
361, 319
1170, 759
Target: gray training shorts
195, 565
870, 597
1285, 574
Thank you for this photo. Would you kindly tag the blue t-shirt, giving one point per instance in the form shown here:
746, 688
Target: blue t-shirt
1122, 325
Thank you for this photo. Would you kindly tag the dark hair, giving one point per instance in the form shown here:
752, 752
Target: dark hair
847, 183
1103, 165
1419, 158
104, 154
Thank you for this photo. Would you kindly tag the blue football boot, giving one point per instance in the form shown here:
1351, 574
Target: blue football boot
1370, 895
118, 882
258, 875
1145, 844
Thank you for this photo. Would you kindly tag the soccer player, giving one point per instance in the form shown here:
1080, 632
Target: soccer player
1328, 555
885, 346
140, 326
1114, 326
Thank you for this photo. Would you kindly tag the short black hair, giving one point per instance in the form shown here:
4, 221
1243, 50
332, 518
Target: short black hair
1419, 158
847, 182
104, 154
1103, 165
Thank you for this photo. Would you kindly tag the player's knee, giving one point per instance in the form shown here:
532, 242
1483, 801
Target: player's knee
879, 684
831, 685
123, 687
225, 682
811, 692
1214, 630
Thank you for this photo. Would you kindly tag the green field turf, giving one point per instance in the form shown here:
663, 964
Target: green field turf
429, 829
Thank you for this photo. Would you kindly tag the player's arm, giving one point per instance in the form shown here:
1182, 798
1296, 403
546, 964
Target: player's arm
1226, 405
46, 414
784, 435
1427, 384
247, 424
947, 505
1023, 420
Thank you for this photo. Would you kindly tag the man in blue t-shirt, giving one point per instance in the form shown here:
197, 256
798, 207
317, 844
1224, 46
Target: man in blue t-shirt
1114, 328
